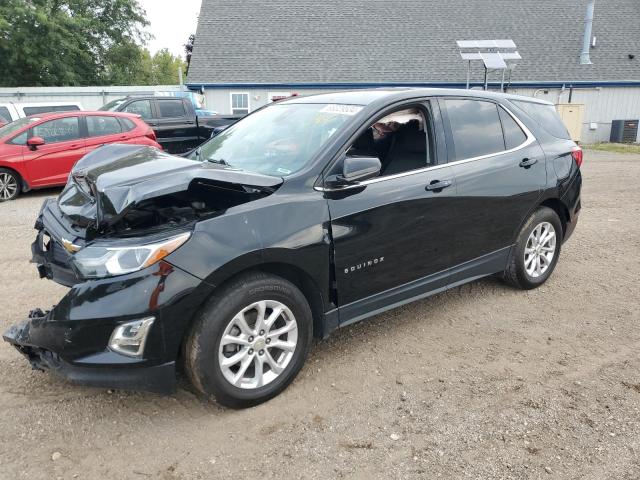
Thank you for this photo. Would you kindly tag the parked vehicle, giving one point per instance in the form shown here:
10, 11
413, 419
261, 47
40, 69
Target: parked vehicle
307, 215
177, 125
39, 151
14, 110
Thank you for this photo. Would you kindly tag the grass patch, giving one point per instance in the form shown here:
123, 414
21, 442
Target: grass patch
615, 147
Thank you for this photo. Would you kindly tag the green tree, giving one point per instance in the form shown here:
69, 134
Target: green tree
69, 42
165, 68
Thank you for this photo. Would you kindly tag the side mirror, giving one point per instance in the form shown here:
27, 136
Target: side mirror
35, 142
356, 169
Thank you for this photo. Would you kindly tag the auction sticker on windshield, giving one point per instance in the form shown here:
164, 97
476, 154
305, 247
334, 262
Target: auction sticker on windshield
341, 109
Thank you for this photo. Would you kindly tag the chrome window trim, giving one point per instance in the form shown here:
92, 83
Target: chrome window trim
529, 140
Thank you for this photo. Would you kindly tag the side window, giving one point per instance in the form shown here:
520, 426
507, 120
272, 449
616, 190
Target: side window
20, 139
127, 125
239, 103
171, 108
59, 130
513, 134
99, 125
5, 116
546, 116
475, 128
402, 140
140, 107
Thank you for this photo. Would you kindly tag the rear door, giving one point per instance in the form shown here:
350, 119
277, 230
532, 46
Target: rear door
500, 175
177, 130
50, 164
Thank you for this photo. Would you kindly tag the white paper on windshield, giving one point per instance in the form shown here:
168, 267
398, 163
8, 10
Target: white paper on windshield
341, 109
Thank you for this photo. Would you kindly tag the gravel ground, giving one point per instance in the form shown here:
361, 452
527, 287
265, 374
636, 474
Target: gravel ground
480, 382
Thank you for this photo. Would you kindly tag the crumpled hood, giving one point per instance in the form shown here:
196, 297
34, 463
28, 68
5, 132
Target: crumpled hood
110, 180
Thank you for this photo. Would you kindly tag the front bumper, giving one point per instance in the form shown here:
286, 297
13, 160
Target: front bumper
71, 340
106, 372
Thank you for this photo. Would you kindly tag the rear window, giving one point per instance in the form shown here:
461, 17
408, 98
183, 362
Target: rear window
171, 108
49, 108
475, 128
546, 116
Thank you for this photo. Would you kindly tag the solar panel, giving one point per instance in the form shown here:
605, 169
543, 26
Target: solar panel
493, 60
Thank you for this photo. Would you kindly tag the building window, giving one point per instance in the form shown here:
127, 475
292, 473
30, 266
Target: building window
239, 103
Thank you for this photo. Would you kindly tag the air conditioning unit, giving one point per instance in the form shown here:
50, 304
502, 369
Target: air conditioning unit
624, 131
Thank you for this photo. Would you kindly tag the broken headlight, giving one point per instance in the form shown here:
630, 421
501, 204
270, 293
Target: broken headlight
104, 259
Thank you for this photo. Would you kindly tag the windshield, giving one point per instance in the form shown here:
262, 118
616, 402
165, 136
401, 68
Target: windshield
17, 125
112, 105
278, 140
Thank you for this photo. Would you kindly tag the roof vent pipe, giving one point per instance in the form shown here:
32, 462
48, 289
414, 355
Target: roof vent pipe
586, 40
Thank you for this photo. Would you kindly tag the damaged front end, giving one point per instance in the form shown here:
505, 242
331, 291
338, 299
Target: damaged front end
123, 211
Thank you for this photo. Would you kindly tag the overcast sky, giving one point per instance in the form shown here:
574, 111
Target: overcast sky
171, 23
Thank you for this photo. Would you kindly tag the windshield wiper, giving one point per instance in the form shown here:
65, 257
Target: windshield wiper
220, 161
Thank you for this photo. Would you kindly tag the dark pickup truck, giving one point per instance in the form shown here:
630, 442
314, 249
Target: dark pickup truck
178, 127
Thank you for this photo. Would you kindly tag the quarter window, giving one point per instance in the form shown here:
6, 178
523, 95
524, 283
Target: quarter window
100, 125
513, 134
171, 108
59, 130
239, 103
140, 107
475, 128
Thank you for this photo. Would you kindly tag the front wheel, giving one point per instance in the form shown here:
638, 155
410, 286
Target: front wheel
250, 340
535, 254
9, 184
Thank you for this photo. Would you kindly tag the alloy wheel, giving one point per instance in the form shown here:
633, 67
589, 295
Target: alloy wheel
258, 344
540, 249
8, 186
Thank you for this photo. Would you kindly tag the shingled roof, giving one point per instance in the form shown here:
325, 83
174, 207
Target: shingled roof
405, 41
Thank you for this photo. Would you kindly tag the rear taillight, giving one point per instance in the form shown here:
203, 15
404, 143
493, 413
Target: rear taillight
151, 135
576, 153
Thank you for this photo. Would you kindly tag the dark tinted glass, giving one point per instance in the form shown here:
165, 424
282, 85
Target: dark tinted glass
139, 107
4, 115
171, 108
546, 116
60, 130
513, 134
99, 125
475, 127
49, 108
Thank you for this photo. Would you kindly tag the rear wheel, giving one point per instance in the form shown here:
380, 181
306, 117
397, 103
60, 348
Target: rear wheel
536, 251
9, 184
249, 341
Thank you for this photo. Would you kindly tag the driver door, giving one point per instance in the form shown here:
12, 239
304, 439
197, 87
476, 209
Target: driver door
391, 233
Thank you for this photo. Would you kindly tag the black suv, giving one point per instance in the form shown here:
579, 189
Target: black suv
305, 216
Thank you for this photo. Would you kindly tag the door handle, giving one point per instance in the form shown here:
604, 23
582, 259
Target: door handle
527, 162
438, 185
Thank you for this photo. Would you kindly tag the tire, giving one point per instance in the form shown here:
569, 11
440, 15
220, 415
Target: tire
10, 184
523, 270
208, 364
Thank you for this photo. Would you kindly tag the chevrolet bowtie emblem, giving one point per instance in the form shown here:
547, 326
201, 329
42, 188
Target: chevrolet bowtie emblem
69, 246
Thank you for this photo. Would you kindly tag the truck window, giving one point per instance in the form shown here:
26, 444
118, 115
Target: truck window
140, 107
171, 108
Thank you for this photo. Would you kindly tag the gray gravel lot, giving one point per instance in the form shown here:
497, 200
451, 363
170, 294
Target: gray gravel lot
480, 382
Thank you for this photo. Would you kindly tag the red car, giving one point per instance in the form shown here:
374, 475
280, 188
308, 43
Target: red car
39, 151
